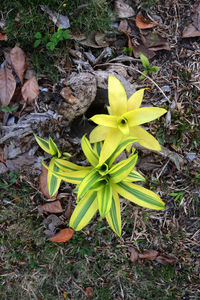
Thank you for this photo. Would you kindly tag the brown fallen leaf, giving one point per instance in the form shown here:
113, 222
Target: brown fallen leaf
149, 254
144, 50
196, 14
143, 23
68, 211
163, 259
30, 91
7, 86
89, 291
18, 61
43, 184
134, 254
190, 31
52, 207
62, 236
154, 41
3, 37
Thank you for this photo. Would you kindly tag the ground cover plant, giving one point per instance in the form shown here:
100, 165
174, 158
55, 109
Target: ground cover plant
157, 254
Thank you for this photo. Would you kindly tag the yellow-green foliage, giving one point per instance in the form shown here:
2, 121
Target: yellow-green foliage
99, 185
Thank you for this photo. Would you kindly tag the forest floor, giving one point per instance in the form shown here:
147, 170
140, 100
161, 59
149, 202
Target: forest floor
157, 256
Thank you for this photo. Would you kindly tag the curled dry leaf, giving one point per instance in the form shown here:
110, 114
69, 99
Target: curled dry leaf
3, 37
52, 207
163, 259
63, 236
30, 90
123, 10
143, 23
58, 19
18, 61
44, 185
68, 211
7, 86
149, 254
134, 254
124, 27
89, 291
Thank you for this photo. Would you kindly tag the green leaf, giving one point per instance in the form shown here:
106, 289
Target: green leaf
122, 146
52, 146
90, 154
104, 199
134, 176
84, 211
144, 60
154, 69
37, 43
53, 181
139, 195
38, 35
66, 34
68, 166
75, 177
114, 215
97, 147
122, 169
50, 46
42, 143
66, 155
89, 180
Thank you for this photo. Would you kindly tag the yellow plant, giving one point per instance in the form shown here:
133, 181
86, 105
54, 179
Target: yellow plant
123, 120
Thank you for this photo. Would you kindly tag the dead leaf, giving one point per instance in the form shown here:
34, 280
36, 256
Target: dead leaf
143, 23
52, 207
58, 19
30, 90
144, 50
124, 27
66, 94
153, 41
3, 168
163, 259
179, 106
3, 37
190, 31
134, 254
91, 42
100, 39
89, 291
196, 15
18, 61
63, 236
149, 254
51, 223
68, 211
7, 86
43, 182
123, 10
